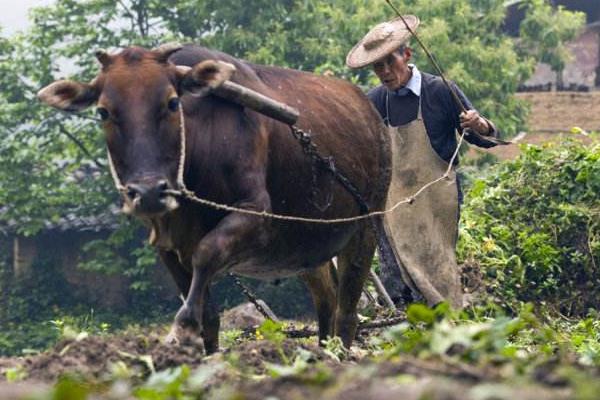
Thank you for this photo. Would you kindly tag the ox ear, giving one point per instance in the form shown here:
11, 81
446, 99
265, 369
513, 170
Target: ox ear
69, 95
203, 77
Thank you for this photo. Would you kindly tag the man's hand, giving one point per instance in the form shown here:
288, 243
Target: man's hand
472, 120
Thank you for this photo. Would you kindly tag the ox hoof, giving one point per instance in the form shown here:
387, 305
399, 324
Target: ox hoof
186, 320
172, 338
180, 336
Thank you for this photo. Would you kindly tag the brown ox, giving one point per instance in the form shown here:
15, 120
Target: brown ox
239, 157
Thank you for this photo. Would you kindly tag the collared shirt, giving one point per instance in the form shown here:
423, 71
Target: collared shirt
440, 112
413, 85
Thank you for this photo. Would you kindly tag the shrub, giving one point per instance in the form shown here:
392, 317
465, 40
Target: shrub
533, 229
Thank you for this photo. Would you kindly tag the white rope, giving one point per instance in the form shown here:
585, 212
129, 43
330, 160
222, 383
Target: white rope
113, 172
181, 168
183, 191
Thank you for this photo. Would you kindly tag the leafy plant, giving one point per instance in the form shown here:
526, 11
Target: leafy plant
334, 348
15, 374
273, 332
532, 227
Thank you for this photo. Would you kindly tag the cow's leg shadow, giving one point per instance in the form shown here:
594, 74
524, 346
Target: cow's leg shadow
321, 283
354, 263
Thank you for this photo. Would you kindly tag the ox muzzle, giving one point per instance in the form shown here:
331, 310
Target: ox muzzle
149, 198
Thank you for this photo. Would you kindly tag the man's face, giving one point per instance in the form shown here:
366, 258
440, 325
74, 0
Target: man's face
393, 70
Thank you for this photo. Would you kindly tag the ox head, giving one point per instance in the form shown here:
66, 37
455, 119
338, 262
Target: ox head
137, 95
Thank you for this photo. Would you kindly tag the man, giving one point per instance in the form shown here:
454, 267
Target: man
424, 116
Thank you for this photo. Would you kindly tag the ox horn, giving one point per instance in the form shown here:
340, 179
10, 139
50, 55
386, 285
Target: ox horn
103, 57
164, 51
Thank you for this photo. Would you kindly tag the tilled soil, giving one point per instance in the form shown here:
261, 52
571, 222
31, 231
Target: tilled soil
93, 356
241, 371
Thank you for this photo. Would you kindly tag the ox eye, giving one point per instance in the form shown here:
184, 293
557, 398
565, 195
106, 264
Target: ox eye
103, 113
173, 104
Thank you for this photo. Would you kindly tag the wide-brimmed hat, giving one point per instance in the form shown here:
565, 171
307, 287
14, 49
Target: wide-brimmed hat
382, 40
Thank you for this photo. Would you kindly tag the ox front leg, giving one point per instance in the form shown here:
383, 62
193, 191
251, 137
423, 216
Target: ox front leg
212, 255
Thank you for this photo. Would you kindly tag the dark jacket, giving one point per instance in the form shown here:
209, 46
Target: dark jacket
440, 113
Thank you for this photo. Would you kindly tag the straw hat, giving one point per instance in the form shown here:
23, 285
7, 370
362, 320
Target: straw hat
382, 40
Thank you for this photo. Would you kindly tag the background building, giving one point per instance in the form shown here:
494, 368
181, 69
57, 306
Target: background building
582, 73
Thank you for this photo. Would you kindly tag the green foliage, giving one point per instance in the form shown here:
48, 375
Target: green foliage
545, 32
78, 328
273, 332
229, 338
334, 348
124, 251
466, 37
15, 374
421, 314
72, 389
522, 343
482, 342
39, 309
303, 369
533, 228
165, 384
36, 298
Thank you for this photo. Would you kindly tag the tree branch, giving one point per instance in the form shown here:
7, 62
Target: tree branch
129, 13
80, 144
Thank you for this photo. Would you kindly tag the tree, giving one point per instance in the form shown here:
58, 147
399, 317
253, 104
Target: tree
466, 36
545, 31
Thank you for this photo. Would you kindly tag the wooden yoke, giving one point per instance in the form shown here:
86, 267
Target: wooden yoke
212, 77
258, 102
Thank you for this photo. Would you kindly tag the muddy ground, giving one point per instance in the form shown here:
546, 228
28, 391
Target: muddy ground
248, 367
242, 370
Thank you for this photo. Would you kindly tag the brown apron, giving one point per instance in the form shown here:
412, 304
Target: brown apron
422, 235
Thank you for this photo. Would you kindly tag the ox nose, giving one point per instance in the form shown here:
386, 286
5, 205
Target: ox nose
150, 198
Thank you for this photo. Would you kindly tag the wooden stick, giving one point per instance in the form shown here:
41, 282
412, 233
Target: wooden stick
381, 290
258, 102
